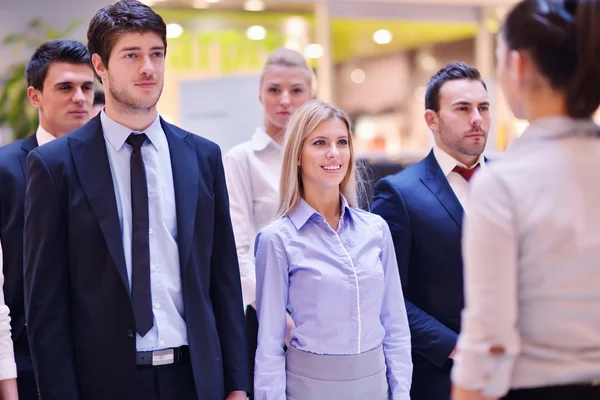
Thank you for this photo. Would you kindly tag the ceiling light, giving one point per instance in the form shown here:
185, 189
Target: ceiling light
358, 76
200, 4
295, 27
254, 5
211, 1
314, 50
256, 32
382, 36
174, 31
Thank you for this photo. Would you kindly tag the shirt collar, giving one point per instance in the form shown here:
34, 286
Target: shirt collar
261, 140
556, 127
447, 162
117, 134
304, 211
43, 136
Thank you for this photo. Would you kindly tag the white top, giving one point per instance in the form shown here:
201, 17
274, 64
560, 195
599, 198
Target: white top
531, 250
43, 136
8, 368
459, 185
252, 172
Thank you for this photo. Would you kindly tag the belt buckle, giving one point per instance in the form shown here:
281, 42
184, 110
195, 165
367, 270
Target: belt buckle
163, 357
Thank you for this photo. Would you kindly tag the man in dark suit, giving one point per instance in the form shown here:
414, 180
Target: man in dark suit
61, 87
132, 286
424, 206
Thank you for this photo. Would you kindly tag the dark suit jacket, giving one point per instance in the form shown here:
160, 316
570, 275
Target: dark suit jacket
80, 317
13, 171
425, 217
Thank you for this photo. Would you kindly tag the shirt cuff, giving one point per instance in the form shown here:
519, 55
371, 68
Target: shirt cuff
8, 368
248, 290
476, 369
400, 396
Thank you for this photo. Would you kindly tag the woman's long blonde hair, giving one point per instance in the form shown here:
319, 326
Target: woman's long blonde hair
299, 127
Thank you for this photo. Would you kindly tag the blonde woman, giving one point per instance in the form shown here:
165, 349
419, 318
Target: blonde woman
334, 267
252, 169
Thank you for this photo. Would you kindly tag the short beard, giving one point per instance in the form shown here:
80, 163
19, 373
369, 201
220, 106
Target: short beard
457, 144
126, 104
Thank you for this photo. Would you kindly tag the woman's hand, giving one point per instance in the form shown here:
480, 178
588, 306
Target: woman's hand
290, 325
8, 389
459, 393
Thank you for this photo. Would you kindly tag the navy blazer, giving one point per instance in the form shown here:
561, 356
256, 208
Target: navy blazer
13, 171
425, 217
80, 318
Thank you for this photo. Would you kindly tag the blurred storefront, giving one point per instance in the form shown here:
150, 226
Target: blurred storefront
373, 58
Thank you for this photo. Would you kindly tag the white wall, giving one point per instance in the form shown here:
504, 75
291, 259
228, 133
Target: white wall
225, 110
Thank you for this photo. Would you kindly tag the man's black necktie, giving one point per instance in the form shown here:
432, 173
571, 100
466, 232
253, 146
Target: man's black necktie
140, 241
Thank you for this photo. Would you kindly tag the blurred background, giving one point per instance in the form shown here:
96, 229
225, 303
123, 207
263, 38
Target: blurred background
371, 57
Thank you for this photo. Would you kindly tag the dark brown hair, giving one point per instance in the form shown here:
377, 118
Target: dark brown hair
53, 51
563, 40
121, 17
451, 72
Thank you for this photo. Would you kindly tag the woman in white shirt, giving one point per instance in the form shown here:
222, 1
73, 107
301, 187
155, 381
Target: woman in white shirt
253, 168
334, 267
531, 323
8, 368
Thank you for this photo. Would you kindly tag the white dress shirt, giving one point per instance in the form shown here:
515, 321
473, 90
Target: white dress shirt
169, 329
252, 172
8, 368
459, 185
531, 249
43, 136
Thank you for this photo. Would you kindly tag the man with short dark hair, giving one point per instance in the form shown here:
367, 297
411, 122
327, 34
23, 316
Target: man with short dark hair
424, 207
131, 276
61, 86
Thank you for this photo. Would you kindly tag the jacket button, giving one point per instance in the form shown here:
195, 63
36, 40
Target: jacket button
130, 333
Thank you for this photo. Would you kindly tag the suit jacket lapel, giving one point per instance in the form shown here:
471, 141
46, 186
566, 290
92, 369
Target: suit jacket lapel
88, 149
184, 163
27, 145
438, 184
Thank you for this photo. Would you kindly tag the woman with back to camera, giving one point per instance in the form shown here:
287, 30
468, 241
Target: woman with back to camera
334, 267
531, 324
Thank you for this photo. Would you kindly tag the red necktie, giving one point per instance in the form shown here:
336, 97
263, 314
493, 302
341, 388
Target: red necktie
466, 172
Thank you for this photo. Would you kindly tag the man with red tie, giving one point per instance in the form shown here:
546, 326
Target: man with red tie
424, 207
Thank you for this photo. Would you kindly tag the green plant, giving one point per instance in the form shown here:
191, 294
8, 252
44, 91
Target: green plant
15, 110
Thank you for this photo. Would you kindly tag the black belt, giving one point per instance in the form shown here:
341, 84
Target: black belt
162, 357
